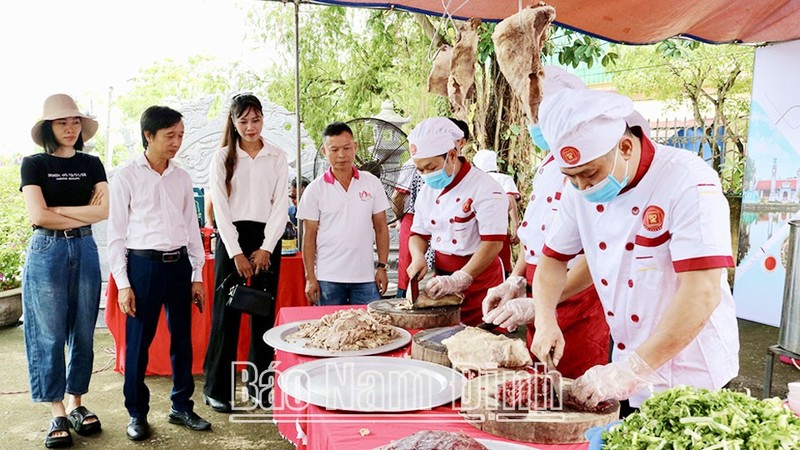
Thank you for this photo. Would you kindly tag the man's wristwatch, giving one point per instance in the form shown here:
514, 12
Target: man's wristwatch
381, 265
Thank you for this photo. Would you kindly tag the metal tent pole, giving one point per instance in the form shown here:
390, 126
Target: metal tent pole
298, 162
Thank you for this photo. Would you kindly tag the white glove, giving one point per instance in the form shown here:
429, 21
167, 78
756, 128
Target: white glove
513, 287
512, 313
617, 380
448, 284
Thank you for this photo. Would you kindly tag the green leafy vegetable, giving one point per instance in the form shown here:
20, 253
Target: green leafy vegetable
688, 418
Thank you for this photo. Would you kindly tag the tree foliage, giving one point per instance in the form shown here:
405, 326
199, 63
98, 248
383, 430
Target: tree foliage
351, 60
714, 80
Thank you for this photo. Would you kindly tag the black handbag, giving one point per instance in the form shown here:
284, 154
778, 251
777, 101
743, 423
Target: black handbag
249, 299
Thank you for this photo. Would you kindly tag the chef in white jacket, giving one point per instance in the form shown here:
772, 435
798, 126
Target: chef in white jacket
461, 212
654, 226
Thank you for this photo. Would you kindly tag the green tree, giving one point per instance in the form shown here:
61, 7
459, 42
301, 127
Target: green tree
714, 80
351, 60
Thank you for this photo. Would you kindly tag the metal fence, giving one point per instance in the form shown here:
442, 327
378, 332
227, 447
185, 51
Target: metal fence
708, 142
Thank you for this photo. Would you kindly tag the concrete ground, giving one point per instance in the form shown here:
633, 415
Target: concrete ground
24, 423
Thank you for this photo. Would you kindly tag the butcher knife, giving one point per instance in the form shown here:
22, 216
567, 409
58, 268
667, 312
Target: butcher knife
414, 285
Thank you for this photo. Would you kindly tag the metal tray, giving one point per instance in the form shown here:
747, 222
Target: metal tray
372, 384
492, 444
278, 338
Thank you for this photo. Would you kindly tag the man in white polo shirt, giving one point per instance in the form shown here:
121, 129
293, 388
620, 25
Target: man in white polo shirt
461, 212
344, 213
653, 224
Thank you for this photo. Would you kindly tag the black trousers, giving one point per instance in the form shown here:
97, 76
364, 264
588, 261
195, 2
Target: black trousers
225, 322
154, 284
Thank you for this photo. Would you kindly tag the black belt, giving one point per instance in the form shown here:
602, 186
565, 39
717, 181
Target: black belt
65, 234
167, 257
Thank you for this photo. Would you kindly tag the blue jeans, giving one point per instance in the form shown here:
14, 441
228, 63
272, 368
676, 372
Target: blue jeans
60, 301
333, 293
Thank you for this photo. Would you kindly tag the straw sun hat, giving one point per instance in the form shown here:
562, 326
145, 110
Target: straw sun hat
59, 106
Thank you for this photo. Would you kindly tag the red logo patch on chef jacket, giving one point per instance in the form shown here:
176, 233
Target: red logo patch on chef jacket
413, 149
653, 218
467, 205
570, 155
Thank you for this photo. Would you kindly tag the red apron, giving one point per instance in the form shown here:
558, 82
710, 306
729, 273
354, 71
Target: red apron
505, 255
586, 337
471, 313
404, 257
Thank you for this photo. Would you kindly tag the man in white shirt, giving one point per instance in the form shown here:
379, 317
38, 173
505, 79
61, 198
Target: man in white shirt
653, 224
156, 256
342, 211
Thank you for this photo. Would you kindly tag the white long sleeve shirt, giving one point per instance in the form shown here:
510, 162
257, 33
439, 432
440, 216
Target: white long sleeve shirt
259, 193
148, 211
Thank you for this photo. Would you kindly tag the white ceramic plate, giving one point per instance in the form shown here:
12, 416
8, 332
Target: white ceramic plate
492, 444
372, 384
279, 338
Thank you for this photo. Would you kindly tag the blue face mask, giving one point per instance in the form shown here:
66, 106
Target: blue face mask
439, 179
608, 189
536, 134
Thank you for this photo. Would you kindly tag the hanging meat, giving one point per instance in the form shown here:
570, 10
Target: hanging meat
461, 83
518, 42
440, 71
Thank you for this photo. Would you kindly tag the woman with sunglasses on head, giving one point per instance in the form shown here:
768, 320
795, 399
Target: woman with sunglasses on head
248, 179
65, 192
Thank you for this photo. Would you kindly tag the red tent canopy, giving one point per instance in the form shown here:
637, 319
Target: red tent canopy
633, 21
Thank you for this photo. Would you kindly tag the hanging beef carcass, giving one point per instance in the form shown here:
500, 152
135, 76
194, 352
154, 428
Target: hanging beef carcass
461, 83
440, 71
518, 42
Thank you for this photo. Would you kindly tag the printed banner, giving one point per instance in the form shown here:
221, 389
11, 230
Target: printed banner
771, 194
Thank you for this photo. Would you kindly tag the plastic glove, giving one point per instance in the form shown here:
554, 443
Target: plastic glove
512, 313
617, 380
595, 435
448, 284
513, 287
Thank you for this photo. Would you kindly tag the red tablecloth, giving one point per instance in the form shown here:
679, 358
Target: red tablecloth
325, 429
291, 292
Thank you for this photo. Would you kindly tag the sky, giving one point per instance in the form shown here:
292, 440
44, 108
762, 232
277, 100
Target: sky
83, 47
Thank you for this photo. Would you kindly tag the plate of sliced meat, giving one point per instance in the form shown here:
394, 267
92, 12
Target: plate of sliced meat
348, 332
448, 440
372, 384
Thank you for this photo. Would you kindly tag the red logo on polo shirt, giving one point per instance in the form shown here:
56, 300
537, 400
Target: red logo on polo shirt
570, 155
467, 205
364, 196
653, 218
413, 149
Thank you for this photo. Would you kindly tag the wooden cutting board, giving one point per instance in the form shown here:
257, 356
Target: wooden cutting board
416, 319
427, 345
483, 411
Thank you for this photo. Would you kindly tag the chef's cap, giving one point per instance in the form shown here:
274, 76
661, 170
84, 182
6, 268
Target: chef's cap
582, 125
433, 137
486, 160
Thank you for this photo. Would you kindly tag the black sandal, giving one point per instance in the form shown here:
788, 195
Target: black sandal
58, 424
77, 418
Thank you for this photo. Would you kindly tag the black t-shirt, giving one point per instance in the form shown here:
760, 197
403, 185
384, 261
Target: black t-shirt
64, 181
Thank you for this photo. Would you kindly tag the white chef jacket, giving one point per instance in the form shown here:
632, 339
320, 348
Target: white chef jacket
345, 235
542, 206
674, 219
471, 209
507, 182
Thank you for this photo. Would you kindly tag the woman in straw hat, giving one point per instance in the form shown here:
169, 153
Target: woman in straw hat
65, 192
